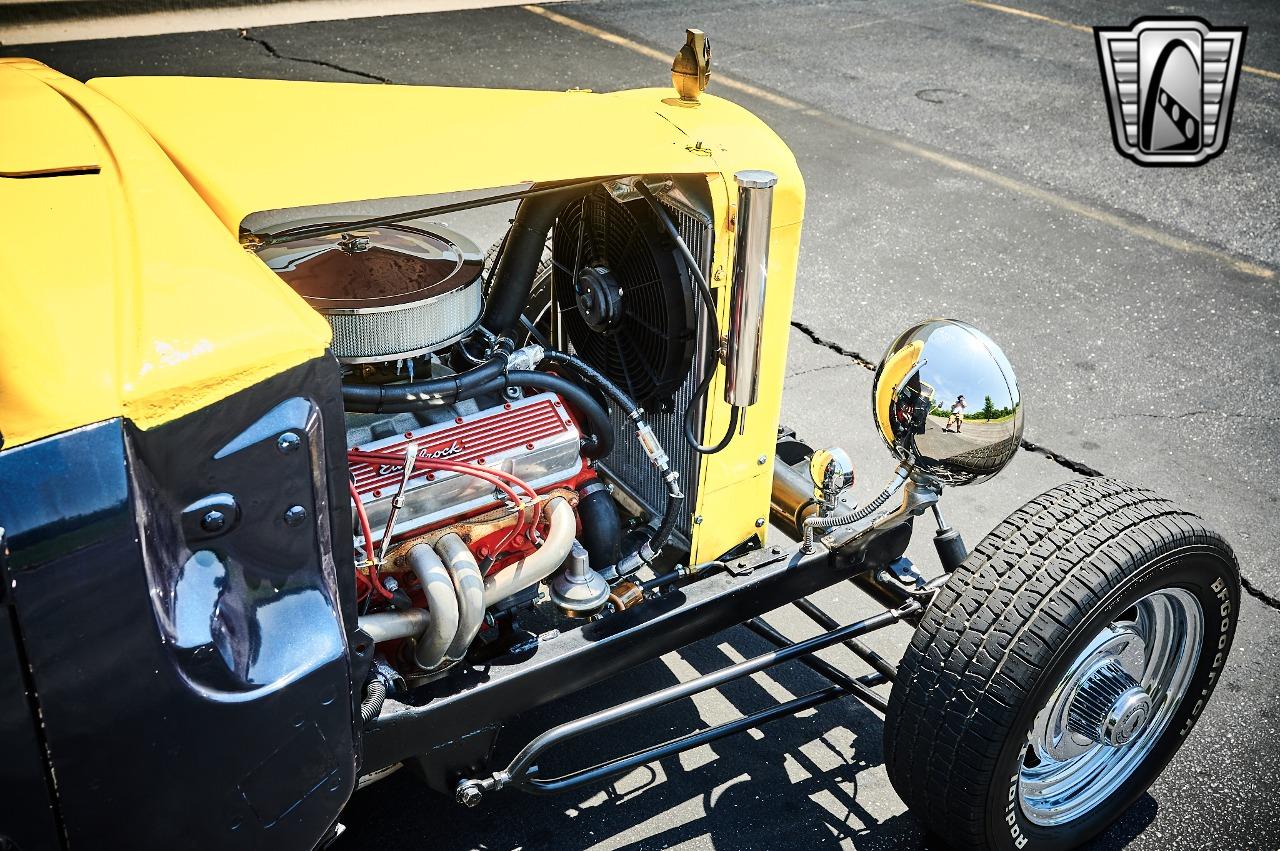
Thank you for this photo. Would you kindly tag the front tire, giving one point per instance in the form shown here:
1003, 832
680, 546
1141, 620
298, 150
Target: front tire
1060, 668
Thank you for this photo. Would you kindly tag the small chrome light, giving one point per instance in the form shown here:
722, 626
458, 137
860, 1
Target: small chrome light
946, 401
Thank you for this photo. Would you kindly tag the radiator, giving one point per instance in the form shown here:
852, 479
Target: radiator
627, 466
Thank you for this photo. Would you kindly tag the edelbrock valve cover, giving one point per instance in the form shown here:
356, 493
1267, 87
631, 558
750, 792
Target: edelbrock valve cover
534, 438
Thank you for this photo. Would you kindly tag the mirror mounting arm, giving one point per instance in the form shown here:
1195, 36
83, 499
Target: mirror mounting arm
919, 493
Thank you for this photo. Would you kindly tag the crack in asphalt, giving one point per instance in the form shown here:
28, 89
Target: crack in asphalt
270, 49
813, 369
1199, 412
1061, 460
835, 347
1258, 594
1071, 464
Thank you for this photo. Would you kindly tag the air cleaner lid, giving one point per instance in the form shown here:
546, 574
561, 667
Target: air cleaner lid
375, 268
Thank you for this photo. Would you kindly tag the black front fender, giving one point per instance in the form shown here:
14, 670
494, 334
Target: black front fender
184, 623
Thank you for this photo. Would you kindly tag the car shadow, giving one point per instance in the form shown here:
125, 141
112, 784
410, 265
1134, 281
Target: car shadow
795, 783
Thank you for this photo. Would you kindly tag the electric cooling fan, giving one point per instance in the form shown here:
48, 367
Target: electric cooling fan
623, 296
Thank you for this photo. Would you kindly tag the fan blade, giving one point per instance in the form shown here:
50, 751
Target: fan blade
647, 326
622, 361
608, 217
624, 252
577, 253
640, 358
563, 268
643, 285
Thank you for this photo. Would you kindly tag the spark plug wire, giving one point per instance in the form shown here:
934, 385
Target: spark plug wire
367, 533
504, 481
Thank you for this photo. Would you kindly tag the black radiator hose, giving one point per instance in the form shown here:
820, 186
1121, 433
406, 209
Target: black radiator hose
416, 395
601, 525
649, 442
519, 258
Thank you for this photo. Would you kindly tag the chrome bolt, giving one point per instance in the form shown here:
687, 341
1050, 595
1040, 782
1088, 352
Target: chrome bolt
213, 521
762, 459
697, 520
294, 515
469, 795
288, 442
759, 522
390, 584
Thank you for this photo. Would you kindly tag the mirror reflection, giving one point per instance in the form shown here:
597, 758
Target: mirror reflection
946, 400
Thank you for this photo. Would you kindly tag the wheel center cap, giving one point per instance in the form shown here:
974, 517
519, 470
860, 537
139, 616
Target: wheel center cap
1110, 707
1127, 718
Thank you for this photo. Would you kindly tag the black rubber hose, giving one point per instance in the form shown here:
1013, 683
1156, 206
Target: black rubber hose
589, 373
375, 693
601, 525
381, 398
518, 264
675, 499
597, 444
713, 333
675, 504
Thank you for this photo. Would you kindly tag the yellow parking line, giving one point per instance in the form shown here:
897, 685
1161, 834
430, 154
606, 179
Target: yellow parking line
603, 35
1261, 72
1008, 183
1045, 19
1032, 15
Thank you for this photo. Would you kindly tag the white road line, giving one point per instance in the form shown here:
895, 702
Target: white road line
228, 18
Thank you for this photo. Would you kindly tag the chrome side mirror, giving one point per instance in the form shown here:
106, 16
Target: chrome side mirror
946, 402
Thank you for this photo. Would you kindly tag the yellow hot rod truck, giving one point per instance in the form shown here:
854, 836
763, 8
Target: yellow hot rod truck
298, 485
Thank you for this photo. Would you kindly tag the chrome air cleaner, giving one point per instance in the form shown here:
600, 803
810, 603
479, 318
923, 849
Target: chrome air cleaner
390, 291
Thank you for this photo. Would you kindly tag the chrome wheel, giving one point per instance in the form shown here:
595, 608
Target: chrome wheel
1111, 707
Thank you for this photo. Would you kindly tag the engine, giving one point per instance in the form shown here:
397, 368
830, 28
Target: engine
487, 409
533, 438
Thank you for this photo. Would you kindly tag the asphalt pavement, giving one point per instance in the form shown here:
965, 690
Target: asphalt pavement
958, 163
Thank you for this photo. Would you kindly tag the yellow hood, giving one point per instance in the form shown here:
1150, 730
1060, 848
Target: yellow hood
121, 294
254, 145
131, 295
